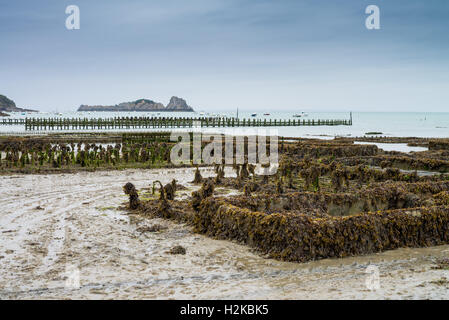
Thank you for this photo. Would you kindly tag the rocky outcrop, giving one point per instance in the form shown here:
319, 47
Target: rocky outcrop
138, 105
7, 105
176, 104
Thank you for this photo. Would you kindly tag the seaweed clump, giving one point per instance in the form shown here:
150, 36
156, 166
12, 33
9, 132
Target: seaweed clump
164, 207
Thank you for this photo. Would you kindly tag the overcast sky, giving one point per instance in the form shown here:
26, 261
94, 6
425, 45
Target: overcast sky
222, 54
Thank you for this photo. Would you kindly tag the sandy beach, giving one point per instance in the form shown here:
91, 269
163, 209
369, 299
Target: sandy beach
55, 226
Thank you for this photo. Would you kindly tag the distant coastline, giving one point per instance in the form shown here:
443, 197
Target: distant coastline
8, 105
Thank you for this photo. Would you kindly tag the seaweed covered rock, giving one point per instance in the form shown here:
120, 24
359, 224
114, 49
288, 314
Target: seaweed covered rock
164, 207
131, 191
198, 178
297, 237
170, 190
220, 170
311, 177
442, 198
439, 144
244, 172
247, 190
207, 190
339, 177
152, 228
177, 250
317, 149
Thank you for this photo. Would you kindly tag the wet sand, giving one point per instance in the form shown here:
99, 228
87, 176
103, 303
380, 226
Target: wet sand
56, 229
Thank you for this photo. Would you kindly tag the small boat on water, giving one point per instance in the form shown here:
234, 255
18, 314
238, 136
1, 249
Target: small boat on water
253, 114
299, 115
266, 114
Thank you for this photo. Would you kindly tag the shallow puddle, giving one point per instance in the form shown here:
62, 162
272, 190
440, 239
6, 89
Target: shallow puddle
400, 147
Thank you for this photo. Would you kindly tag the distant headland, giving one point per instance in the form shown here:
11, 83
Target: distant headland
7, 105
175, 105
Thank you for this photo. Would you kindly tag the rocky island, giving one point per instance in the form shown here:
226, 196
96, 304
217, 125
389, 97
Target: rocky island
175, 105
7, 105
178, 104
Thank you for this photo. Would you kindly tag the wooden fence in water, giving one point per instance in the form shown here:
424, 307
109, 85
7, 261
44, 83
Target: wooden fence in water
171, 122
11, 122
36, 124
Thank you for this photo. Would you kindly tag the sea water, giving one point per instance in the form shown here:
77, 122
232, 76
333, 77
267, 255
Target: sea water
390, 124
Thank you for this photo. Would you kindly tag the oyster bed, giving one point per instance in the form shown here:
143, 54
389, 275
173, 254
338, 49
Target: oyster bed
325, 201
